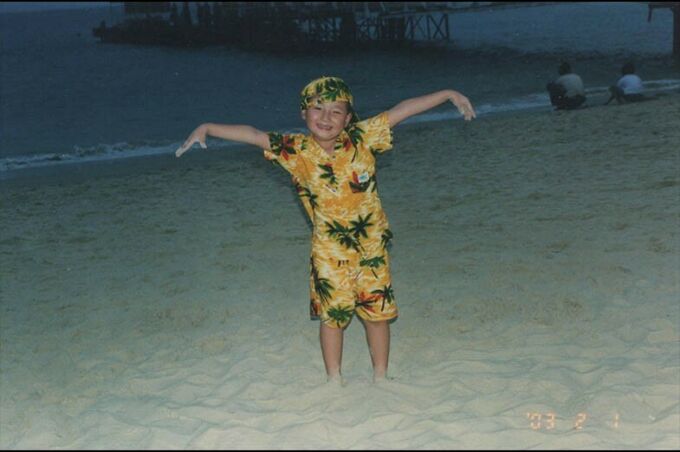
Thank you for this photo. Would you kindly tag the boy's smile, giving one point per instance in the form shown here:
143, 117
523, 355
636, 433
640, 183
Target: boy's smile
326, 120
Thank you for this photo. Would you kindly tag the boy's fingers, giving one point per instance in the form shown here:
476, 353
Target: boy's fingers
182, 149
465, 107
467, 111
187, 144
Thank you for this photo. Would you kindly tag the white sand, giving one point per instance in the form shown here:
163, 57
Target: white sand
535, 263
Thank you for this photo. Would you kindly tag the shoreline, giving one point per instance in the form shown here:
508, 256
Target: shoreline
81, 171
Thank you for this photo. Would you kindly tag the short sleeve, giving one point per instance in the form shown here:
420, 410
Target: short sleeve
376, 133
284, 150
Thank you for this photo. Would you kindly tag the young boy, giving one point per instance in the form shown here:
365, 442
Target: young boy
333, 170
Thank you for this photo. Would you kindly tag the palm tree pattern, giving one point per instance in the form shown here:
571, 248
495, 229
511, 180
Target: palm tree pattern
385, 294
359, 226
329, 89
373, 262
350, 269
307, 198
341, 315
322, 286
343, 235
327, 170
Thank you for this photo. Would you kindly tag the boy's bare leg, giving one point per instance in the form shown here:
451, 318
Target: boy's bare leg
378, 337
331, 349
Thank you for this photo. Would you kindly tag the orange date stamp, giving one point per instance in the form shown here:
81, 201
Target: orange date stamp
549, 421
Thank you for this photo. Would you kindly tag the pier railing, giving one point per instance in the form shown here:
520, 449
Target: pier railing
304, 25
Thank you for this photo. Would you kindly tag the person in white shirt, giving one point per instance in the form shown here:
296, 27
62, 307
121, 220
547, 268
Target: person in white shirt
628, 88
567, 91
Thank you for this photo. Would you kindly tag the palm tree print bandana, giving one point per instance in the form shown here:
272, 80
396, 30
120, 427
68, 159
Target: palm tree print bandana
328, 89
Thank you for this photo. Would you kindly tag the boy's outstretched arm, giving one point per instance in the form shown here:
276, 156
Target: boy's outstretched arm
241, 133
416, 105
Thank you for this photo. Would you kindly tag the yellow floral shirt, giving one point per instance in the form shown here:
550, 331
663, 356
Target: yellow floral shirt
339, 192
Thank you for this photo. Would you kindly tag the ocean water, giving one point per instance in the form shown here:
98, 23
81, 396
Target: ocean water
67, 98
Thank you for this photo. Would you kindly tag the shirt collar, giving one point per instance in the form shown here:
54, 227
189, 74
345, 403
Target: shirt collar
343, 144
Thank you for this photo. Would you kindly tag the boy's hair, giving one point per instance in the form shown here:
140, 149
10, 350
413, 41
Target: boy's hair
628, 68
564, 68
328, 89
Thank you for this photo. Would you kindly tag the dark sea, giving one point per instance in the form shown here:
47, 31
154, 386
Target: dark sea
66, 98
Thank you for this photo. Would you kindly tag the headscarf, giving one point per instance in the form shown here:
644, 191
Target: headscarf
328, 89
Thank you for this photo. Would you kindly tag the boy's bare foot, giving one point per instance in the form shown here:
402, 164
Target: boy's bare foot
381, 378
379, 374
336, 380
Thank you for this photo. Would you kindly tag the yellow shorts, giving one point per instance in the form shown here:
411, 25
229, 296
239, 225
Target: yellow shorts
354, 282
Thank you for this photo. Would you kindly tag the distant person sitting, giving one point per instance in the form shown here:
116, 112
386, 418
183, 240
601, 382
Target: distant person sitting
629, 86
566, 92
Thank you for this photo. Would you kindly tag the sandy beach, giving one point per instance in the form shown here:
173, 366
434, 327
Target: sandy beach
536, 265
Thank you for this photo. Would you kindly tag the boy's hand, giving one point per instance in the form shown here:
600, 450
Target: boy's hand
464, 106
197, 136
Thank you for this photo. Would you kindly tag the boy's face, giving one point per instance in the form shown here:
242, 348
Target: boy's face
326, 120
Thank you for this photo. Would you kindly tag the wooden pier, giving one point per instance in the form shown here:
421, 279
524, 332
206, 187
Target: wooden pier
288, 25
303, 26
